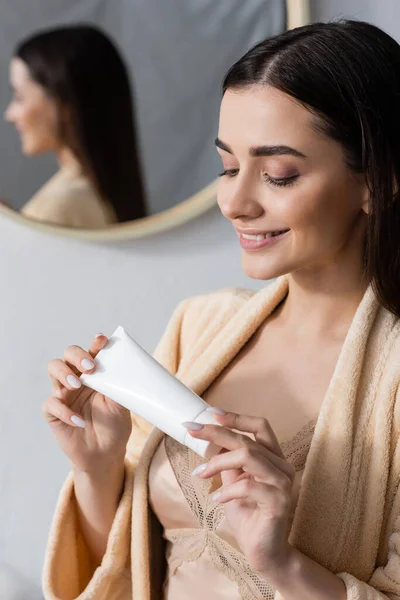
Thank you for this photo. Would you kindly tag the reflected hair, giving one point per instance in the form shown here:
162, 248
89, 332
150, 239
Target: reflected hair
347, 74
80, 67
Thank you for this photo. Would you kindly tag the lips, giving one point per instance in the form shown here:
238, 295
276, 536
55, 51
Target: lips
258, 240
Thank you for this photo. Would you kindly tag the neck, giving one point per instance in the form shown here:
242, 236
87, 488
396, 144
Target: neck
68, 161
322, 300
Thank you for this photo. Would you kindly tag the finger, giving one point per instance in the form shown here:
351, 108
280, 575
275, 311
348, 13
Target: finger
251, 462
79, 360
231, 440
98, 344
258, 426
276, 504
55, 410
62, 376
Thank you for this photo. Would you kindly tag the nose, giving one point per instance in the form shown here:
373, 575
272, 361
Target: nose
238, 201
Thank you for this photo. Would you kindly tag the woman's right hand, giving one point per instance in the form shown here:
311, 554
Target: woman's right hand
91, 429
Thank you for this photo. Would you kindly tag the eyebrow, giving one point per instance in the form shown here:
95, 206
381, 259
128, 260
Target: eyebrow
258, 151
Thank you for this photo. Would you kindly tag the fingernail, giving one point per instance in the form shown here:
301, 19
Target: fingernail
215, 496
216, 411
74, 382
193, 425
87, 364
78, 421
99, 335
199, 469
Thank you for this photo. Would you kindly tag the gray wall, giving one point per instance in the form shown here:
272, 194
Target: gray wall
385, 14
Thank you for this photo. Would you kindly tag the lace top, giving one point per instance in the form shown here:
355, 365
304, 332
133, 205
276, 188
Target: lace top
202, 554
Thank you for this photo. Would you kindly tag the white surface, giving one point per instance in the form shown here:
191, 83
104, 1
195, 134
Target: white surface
15, 587
56, 292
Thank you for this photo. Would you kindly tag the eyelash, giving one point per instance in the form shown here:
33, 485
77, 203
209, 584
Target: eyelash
284, 182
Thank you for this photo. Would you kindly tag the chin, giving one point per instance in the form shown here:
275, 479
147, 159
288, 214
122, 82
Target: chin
30, 150
27, 152
261, 268
30, 147
27, 148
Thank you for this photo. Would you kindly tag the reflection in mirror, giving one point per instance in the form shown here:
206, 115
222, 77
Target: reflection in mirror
176, 59
71, 96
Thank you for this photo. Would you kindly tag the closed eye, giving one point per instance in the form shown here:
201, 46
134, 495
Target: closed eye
229, 173
282, 182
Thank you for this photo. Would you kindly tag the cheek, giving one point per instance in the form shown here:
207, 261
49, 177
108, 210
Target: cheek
39, 122
290, 207
325, 209
27, 117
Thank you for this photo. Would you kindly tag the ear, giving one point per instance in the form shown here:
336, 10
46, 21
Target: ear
366, 197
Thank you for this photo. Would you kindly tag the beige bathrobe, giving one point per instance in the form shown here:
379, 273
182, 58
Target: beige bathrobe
348, 513
68, 199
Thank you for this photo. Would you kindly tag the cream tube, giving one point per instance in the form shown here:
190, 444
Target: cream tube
130, 376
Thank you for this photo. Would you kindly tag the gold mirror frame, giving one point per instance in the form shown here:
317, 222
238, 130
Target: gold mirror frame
298, 13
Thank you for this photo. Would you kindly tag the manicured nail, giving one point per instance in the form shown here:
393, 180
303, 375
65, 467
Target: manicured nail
216, 411
199, 469
215, 496
87, 364
78, 421
193, 425
74, 382
99, 335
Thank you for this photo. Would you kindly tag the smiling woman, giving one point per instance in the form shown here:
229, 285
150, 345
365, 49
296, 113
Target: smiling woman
300, 189
302, 377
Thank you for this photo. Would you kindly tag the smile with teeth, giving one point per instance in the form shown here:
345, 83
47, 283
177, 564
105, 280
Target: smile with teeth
263, 236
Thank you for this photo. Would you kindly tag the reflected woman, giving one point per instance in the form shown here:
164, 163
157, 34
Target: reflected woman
71, 96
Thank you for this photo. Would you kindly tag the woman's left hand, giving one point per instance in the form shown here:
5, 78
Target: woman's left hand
257, 487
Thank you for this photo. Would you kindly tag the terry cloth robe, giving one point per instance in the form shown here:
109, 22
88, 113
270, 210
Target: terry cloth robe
348, 513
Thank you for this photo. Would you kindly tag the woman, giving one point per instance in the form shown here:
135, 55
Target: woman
302, 376
72, 97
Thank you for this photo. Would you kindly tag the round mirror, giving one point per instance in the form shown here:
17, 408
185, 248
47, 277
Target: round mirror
175, 56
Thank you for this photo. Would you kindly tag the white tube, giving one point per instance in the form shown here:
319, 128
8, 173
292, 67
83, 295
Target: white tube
127, 374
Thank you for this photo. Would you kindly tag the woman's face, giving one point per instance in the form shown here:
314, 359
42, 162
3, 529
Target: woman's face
286, 188
32, 111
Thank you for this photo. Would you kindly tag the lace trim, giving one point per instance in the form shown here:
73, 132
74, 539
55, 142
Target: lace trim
296, 449
187, 545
